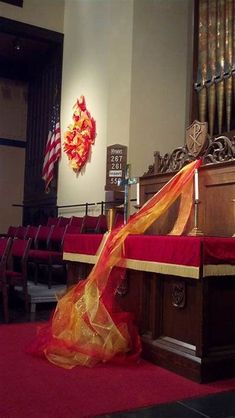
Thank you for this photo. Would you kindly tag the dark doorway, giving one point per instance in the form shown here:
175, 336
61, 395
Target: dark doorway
34, 55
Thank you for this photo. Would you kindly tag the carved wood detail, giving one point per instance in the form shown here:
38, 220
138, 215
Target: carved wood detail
178, 294
217, 149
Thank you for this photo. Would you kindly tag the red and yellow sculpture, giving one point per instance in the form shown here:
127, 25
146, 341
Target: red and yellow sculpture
87, 326
79, 136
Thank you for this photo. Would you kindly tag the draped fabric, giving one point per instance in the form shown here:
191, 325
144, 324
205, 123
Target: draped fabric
87, 326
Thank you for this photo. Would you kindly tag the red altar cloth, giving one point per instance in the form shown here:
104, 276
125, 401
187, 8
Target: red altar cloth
182, 250
219, 250
185, 256
82, 243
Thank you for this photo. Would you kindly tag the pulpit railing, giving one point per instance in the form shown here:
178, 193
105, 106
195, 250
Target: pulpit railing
41, 211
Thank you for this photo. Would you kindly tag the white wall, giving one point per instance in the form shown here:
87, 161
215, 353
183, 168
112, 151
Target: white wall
119, 76
130, 59
97, 64
159, 105
48, 14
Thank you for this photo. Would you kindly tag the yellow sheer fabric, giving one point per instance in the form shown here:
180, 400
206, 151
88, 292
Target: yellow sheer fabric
185, 208
87, 327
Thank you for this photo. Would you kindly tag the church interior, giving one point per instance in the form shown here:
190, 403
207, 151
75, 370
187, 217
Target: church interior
117, 210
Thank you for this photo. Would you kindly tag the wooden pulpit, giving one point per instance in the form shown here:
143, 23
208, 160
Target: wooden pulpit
216, 200
181, 289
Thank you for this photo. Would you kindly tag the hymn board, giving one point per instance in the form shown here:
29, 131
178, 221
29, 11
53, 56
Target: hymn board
116, 166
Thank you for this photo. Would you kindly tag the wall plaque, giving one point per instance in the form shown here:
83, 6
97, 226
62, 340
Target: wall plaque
115, 166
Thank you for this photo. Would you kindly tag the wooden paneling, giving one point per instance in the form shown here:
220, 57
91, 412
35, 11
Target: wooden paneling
42, 90
177, 321
186, 325
216, 213
221, 313
39, 63
216, 194
196, 340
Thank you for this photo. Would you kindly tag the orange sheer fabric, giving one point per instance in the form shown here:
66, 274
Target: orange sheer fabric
87, 327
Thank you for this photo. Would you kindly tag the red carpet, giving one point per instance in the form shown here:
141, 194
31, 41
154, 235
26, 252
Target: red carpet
32, 387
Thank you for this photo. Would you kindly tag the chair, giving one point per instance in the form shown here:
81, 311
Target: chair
71, 229
51, 255
63, 221
11, 232
42, 237
20, 232
31, 232
52, 221
5, 246
40, 243
119, 219
89, 224
77, 221
16, 272
101, 226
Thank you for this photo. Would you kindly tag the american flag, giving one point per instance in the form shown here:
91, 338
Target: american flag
53, 148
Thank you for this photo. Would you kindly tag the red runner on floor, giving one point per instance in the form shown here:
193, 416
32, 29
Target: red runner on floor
31, 387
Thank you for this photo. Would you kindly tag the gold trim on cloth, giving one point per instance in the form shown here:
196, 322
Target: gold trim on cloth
193, 272
142, 265
80, 258
180, 270
186, 202
218, 270
164, 268
86, 258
